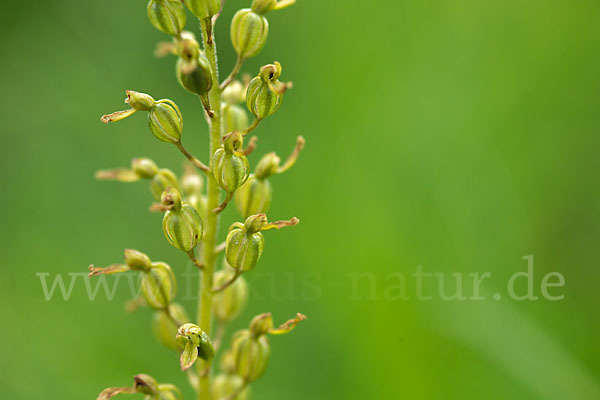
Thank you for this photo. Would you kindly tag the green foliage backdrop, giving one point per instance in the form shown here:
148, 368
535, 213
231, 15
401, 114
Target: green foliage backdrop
459, 135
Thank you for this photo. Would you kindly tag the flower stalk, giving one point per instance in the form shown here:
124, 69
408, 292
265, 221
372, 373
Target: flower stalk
212, 219
192, 215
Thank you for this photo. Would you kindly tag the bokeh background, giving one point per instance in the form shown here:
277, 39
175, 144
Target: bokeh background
458, 135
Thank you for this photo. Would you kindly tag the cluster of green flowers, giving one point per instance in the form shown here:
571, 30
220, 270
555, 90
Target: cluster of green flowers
191, 203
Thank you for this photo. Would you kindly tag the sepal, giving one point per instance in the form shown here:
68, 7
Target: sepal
194, 343
264, 6
265, 91
203, 8
181, 224
167, 16
249, 32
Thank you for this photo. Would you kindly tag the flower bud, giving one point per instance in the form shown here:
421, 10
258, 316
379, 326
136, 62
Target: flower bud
249, 32
224, 386
139, 101
253, 197
167, 16
199, 202
165, 121
203, 8
265, 91
229, 165
245, 243
164, 328
234, 93
144, 168
137, 260
188, 48
251, 355
134, 261
234, 118
165, 178
229, 303
117, 174
243, 249
171, 198
192, 183
194, 343
168, 395
158, 285
196, 77
264, 6
267, 166
261, 324
141, 168
182, 225
255, 223
145, 384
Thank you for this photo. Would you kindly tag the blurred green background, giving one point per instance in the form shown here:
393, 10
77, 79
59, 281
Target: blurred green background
459, 135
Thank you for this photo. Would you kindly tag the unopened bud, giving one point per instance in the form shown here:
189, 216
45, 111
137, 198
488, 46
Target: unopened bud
230, 302
165, 178
137, 260
165, 121
199, 202
182, 225
243, 249
158, 285
264, 6
265, 91
229, 165
171, 199
144, 168
254, 197
226, 386
196, 77
261, 324
145, 384
251, 355
245, 243
255, 223
167, 16
139, 101
250, 28
234, 93
249, 32
192, 183
267, 166
203, 8
168, 395
188, 48
234, 118
164, 118
141, 168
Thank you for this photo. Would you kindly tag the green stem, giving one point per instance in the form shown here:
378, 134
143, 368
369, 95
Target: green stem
212, 219
252, 127
234, 72
197, 163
